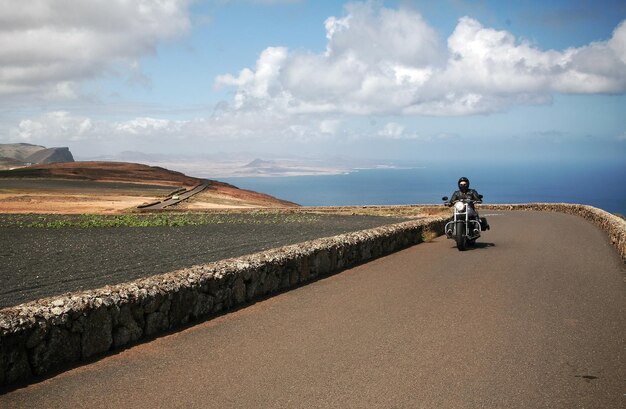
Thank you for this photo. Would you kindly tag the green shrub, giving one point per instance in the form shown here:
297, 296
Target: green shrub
53, 221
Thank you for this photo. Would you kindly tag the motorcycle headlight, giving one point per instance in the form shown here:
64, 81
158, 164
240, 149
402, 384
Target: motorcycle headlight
459, 206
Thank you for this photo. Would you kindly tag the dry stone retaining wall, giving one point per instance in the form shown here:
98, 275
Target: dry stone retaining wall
49, 334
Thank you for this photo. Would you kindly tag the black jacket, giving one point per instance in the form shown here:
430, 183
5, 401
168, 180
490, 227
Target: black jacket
469, 194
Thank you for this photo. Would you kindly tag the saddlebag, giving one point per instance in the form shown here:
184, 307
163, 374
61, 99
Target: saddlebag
483, 224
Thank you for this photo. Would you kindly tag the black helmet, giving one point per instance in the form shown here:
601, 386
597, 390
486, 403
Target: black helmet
465, 185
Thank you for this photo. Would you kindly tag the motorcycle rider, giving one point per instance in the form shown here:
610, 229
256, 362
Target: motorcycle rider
465, 192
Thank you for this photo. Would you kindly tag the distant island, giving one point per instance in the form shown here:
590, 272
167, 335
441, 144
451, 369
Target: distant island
246, 164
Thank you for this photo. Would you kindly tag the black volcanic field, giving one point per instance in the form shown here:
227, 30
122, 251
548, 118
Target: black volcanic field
37, 262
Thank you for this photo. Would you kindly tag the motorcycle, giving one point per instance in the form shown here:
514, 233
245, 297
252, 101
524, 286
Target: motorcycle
463, 229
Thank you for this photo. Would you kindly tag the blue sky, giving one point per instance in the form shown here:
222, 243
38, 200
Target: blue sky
395, 81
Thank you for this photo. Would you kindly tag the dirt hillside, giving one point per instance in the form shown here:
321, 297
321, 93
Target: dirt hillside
104, 172
92, 187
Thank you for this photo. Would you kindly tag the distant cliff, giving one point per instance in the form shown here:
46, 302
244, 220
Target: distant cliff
14, 155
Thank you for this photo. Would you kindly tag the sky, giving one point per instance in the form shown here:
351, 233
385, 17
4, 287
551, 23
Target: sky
394, 81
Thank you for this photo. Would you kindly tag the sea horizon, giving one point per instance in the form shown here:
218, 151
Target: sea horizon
595, 184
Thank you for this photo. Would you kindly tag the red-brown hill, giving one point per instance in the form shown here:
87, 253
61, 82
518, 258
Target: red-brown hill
105, 172
217, 195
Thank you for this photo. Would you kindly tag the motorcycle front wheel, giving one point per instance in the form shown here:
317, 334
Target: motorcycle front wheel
459, 231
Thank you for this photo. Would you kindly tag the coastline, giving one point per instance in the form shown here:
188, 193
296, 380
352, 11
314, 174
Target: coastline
593, 184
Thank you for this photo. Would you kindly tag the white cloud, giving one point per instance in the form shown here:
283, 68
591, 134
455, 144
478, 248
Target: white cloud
146, 126
373, 56
377, 61
329, 126
617, 43
272, 2
257, 84
47, 47
63, 128
392, 130
490, 62
390, 61
374, 34
54, 126
396, 131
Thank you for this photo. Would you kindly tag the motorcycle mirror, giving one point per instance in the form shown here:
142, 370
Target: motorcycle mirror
444, 198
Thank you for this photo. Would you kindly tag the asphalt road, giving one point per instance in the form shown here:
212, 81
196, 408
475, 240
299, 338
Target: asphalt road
534, 317
179, 198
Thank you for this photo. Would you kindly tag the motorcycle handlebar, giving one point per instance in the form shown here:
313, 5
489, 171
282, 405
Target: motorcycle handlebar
464, 201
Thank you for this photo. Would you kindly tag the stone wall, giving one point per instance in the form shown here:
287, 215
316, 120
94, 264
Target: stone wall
50, 334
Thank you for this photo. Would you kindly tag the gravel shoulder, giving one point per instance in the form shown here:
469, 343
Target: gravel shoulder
42, 262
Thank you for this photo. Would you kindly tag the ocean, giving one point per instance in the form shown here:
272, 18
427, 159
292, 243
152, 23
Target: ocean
602, 185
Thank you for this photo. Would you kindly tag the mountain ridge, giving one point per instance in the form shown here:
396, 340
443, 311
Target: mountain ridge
16, 155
